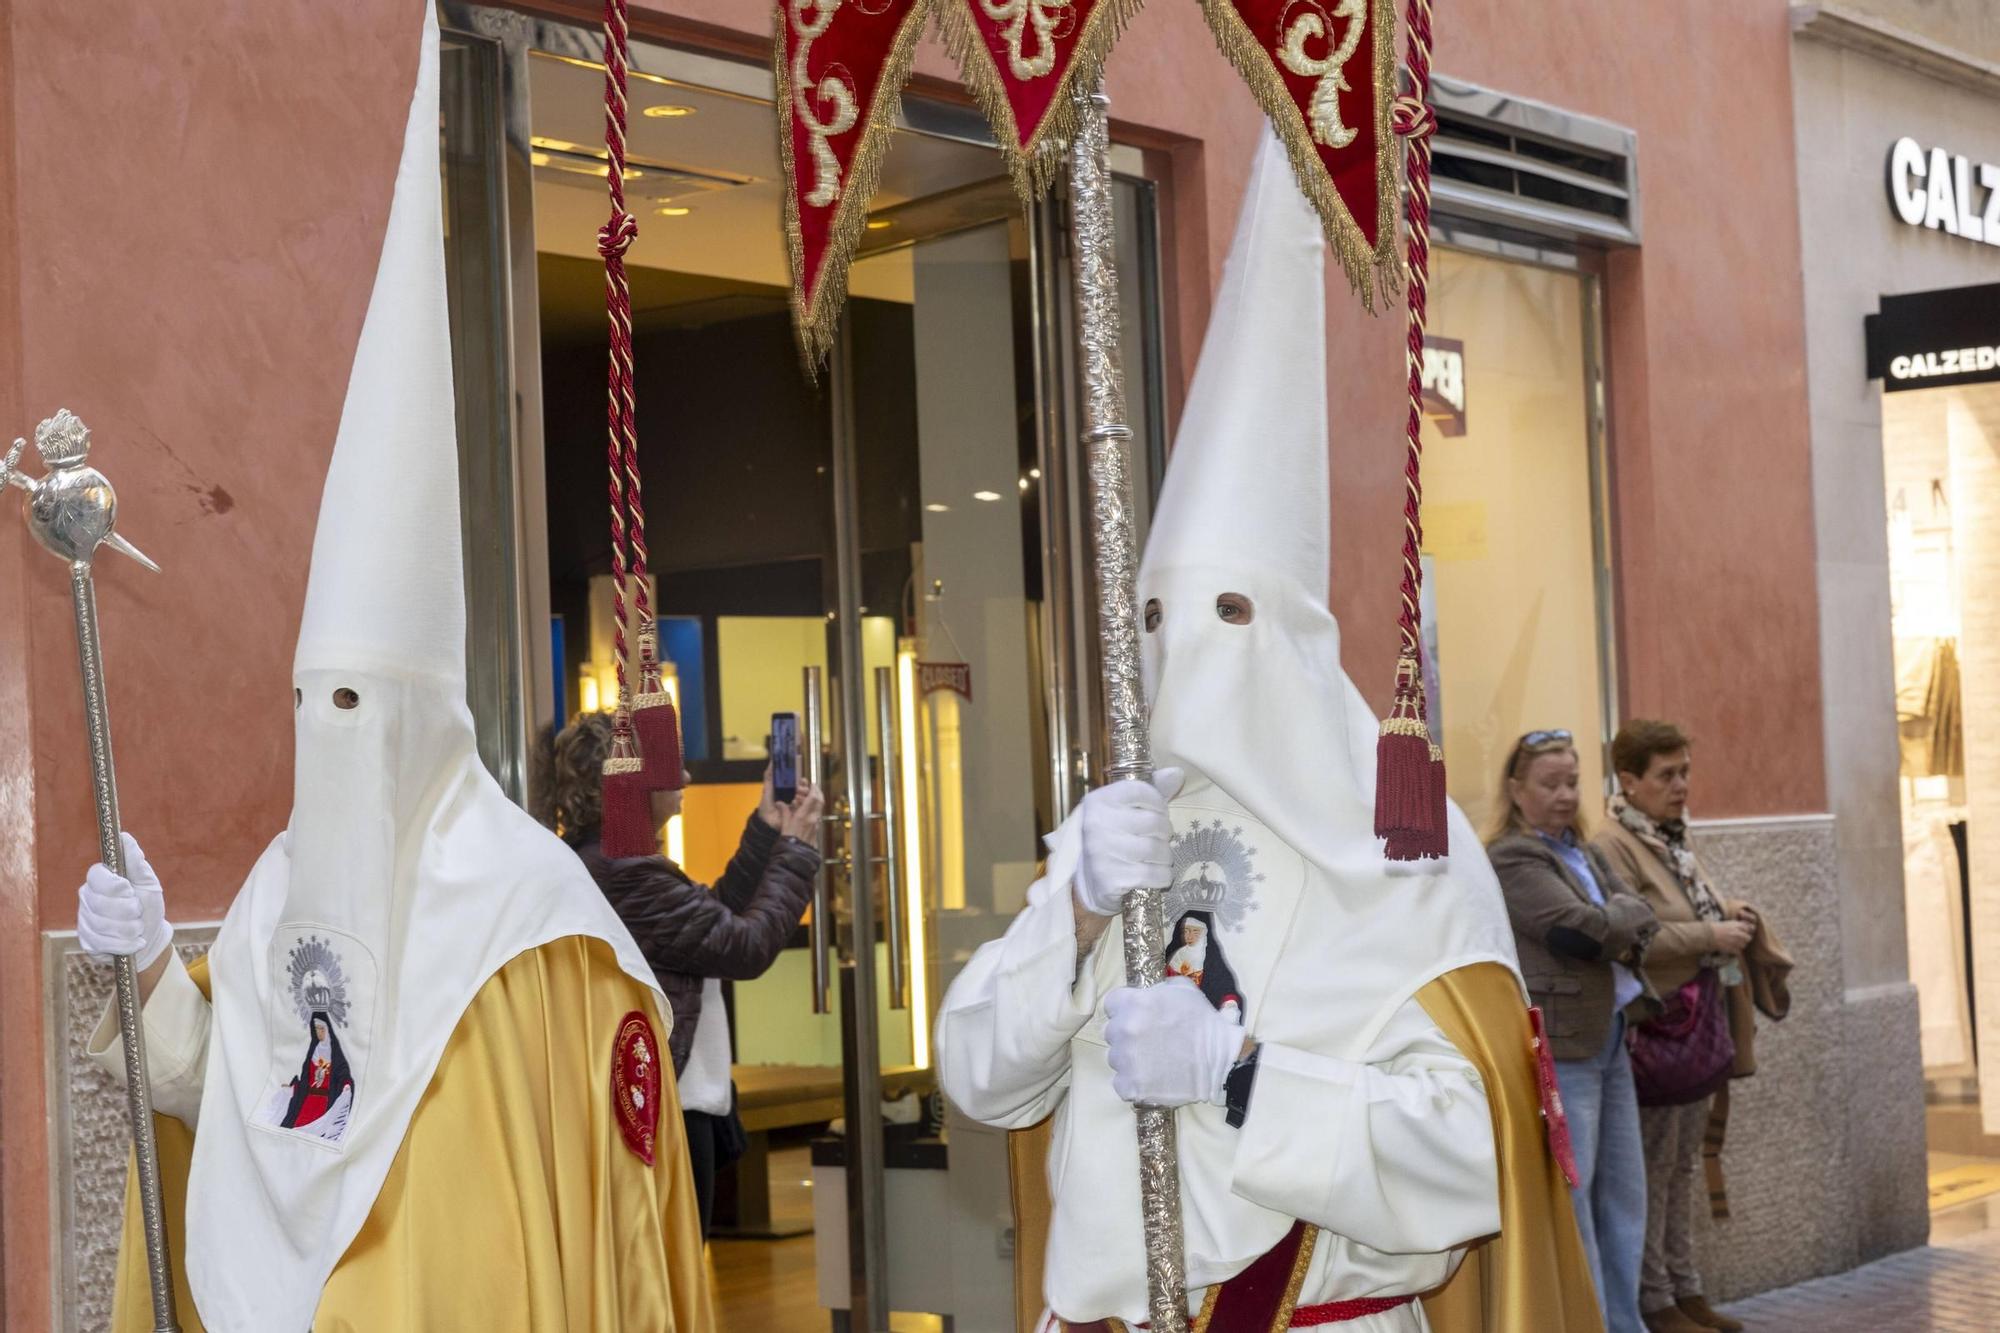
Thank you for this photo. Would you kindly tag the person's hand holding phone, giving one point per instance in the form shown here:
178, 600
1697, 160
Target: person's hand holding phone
800, 818
768, 808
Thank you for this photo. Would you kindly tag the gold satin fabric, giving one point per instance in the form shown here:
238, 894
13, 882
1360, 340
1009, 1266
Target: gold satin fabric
1531, 1278
514, 1204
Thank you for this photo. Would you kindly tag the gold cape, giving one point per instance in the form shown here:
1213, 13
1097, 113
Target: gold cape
1533, 1277
513, 1205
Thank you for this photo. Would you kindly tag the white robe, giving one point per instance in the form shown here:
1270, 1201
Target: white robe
1383, 1139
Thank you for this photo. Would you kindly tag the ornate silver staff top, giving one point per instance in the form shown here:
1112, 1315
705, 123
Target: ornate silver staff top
73, 509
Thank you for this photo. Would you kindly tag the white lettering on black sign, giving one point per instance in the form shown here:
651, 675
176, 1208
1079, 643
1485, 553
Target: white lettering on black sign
1954, 361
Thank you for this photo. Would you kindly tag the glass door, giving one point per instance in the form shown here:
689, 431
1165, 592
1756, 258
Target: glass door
889, 552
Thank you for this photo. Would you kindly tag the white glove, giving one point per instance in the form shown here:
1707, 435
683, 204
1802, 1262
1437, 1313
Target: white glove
1169, 1045
1125, 832
124, 914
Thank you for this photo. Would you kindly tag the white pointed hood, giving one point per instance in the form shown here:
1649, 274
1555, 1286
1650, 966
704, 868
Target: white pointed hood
1262, 709
406, 878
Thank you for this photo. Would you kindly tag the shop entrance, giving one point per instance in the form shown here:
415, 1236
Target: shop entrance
891, 553
1942, 483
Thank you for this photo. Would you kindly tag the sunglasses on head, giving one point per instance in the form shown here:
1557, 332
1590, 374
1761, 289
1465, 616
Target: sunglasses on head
1536, 739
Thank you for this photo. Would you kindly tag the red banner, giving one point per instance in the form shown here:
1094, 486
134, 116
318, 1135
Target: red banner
1023, 60
840, 66
1325, 73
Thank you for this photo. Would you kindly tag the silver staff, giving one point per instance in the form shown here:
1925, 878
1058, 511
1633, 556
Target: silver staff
1110, 441
71, 512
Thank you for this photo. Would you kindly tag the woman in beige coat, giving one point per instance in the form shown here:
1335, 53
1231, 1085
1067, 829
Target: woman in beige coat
1646, 842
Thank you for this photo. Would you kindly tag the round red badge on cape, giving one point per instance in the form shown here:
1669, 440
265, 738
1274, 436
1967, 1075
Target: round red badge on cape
635, 1084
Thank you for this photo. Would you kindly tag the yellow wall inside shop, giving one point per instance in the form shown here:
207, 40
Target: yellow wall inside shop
712, 818
761, 658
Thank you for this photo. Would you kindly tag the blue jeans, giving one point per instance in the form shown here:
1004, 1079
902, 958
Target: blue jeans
1610, 1193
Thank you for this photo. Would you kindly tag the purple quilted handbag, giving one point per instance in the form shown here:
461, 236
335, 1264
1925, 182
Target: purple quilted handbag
1686, 1053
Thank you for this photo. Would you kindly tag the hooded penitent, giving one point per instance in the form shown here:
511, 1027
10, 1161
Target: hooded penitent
1281, 897
406, 878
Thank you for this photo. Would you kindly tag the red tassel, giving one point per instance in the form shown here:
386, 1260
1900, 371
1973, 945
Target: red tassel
1436, 840
1409, 776
656, 724
1402, 767
658, 727
628, 802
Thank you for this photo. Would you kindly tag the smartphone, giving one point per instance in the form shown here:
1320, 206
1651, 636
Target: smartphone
784, 757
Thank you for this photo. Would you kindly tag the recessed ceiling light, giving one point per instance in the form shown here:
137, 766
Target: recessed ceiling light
674, 211
936, 508
986, 495
669, 112
1035, 472
880, 224
1024, 483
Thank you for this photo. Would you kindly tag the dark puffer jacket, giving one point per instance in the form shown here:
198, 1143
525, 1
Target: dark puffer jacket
689, 933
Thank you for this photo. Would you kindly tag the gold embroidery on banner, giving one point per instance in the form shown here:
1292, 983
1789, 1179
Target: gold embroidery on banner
817, 297
1034, 154
1372, 269
1017, 16
832, 91
1324, 107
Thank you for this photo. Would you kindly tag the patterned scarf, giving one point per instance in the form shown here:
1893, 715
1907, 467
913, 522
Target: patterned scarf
1669, 842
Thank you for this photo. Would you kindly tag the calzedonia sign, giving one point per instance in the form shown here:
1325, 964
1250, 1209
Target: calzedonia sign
1933, 340
1945, 192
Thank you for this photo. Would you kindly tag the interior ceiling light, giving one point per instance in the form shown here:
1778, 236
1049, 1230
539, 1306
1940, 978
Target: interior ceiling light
674, 211
879, 224
986, 495
667, 111
936, 508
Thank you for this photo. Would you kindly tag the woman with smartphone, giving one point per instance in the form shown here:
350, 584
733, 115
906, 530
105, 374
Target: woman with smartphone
695, 937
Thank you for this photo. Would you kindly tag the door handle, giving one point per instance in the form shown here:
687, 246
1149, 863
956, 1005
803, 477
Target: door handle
892, 834
820, 930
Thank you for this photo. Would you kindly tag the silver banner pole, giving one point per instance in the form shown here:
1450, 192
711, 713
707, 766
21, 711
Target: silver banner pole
1116, 571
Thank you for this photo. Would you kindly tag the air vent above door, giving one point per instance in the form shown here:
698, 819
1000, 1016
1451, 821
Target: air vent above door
1533, 168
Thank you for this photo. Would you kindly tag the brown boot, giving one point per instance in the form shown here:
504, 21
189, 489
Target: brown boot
1672, 1319
1696, 1308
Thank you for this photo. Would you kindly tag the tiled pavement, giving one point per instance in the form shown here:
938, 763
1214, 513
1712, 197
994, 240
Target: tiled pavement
1949, 1288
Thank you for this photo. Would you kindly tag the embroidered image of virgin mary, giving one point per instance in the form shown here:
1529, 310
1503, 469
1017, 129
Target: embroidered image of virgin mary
319, 1101
1194, 953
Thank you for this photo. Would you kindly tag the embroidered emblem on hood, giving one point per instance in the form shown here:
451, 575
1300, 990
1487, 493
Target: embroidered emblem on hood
1214, 872
318, 981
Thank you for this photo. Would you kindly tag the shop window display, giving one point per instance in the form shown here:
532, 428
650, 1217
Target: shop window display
1513, 560
1942, 489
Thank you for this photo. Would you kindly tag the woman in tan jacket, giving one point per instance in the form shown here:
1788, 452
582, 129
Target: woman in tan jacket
1646, 842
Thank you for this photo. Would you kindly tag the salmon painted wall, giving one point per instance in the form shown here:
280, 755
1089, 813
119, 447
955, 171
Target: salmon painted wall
198, 192
1718, 614
190, 205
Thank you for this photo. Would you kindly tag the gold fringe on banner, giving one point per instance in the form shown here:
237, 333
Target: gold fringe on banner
816, 322
1037, 164
1370, 269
